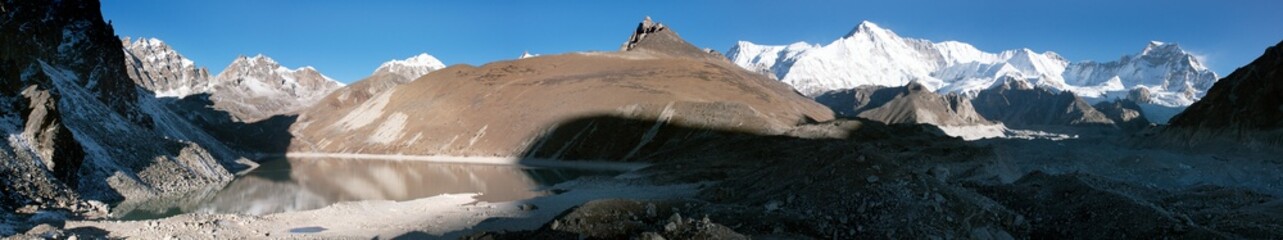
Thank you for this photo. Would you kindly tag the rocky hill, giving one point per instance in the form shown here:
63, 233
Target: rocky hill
503, 108
1018, 103
911, 103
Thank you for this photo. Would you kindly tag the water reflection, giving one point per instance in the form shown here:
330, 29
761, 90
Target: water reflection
309, 183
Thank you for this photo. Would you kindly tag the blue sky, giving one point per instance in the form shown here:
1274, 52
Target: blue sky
347, 40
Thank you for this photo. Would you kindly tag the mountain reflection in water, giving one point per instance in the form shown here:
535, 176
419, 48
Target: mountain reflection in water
285, 185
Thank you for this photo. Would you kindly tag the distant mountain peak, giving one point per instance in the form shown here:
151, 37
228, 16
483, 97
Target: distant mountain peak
411, 68
527, 54
256, 58
873, 55
866, 25
869, 28
1157, 47
144, 42
157, 67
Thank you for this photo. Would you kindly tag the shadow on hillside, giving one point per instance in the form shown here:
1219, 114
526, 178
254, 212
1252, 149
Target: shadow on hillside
266, 137
682, 153
259, 141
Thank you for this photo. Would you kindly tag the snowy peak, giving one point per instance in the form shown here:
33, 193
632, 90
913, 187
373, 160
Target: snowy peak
1170, 52
411, 68
258, 60
526, 54
873, 55
262, 63
874, 33
155, 66
867, 28
1156, 48
254, 88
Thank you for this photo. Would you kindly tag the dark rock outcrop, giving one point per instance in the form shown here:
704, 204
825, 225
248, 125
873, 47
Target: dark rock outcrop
1126, 114
84, 129
654, 37
911, 103
1018, 104
1246, 106
52, 141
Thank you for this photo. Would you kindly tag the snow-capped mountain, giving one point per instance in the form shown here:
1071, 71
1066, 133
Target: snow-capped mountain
250, 88
1172, 76
257, 87
411, 68
155, 66
871, 55
388, 75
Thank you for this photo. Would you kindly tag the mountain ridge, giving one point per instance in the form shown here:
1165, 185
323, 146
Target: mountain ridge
872, 55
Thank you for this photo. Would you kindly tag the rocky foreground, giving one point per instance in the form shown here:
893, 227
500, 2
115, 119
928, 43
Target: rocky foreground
843, 179
851, 179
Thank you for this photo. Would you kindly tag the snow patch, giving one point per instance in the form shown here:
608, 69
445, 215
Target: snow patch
976, 132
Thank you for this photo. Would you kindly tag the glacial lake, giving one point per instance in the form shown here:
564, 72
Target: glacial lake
298, 184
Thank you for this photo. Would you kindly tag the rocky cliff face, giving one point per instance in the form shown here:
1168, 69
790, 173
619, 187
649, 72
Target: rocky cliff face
654, 37
77, 126
1246, 106
538, 106
156, 66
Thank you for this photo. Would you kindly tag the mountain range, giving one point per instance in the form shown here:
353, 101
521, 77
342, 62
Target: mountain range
250, 88
872, 55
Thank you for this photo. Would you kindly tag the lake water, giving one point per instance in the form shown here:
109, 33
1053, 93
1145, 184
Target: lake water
296, 184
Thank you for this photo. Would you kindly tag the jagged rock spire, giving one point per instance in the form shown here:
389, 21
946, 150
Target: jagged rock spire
646, 27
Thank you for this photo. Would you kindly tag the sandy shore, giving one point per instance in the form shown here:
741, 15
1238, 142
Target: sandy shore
516, 161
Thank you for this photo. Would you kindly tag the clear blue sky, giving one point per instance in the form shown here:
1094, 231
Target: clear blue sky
346, 40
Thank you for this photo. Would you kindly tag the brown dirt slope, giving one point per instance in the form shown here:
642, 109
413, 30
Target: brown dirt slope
500, 109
